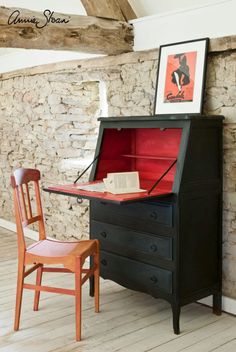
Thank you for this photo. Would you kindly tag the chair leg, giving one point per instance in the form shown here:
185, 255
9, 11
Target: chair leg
91, 279
38, 283
19, 292
78, 297
97, 279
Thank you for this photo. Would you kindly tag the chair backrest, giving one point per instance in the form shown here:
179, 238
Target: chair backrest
21, 181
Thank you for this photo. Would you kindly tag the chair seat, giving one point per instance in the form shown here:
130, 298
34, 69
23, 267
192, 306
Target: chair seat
59, 252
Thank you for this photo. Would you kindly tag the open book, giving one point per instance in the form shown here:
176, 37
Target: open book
123, 182
116, 183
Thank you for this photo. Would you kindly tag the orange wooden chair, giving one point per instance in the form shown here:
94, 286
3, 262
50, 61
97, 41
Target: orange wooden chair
71, 255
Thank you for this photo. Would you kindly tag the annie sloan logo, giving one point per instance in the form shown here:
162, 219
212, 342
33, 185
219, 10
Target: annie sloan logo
48, 17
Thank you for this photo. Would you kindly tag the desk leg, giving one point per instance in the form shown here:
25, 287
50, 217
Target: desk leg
217, 303
176, 315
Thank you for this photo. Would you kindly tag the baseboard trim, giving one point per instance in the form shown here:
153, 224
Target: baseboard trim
228, 304
33, 235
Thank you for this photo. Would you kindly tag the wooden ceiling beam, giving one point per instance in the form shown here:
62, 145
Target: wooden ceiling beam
127, 10
22, 28
115, 9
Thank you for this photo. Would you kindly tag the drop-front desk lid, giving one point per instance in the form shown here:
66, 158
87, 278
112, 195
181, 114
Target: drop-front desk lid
74, 191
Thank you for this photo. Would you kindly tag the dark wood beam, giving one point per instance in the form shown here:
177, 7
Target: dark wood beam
115, 9
22, 28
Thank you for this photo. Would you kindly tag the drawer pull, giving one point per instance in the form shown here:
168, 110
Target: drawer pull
153, 247
104, 234
154, 279
154, 215
104, 262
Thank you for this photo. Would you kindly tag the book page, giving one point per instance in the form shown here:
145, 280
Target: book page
123, 182
116, 183
95, 187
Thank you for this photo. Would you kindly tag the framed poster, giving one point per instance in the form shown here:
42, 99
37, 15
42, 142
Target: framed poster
181, 77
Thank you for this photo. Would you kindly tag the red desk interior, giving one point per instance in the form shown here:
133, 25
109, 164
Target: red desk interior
150, 151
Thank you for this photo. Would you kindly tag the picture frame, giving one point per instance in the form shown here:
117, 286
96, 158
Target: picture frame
181, 77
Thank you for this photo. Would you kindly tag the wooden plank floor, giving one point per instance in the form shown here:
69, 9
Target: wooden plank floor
128, 322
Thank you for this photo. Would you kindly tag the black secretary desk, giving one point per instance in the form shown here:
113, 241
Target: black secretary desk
165, 241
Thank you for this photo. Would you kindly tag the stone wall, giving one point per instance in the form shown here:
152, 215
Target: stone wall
48, 120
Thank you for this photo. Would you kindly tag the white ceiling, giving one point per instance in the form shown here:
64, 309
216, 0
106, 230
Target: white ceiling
66, 6
141, 7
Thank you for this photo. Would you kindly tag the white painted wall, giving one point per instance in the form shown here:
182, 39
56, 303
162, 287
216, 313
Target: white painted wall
213, 20
151, 7
14, 59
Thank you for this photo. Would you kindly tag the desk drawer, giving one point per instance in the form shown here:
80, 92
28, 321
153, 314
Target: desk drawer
131, 243
135, 275
144, 216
